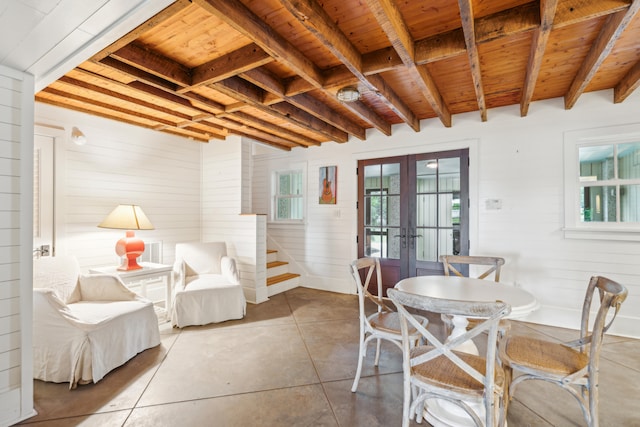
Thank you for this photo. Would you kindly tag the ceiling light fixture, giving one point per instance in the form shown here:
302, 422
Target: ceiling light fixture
78, 137
432, 164
348, 94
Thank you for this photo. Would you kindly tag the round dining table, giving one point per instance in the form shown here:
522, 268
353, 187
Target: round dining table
441, 413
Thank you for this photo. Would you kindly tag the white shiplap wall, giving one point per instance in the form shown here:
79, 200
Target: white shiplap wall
16, 236
516, 160
121, 163
225, 211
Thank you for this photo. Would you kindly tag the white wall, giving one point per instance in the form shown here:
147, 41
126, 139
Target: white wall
16, 236
514, 159
121, 163
226, 211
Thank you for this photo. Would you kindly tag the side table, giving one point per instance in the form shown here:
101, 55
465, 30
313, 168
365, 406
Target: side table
149, 272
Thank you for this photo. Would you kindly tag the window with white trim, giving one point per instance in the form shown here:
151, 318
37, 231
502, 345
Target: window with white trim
602, 183
288, 200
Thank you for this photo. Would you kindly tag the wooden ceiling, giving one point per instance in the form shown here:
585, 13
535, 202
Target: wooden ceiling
270, 69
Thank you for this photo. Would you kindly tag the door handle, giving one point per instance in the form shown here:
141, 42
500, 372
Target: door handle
403, 236
413, 239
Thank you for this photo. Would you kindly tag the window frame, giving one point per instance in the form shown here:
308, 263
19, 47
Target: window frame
275, 195
574, 228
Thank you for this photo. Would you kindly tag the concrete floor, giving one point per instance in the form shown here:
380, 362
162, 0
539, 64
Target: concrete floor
291, 362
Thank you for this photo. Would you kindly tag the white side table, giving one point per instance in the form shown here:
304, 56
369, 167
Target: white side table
149, 272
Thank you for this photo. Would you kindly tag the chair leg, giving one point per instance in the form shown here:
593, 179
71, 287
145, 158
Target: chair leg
593, 405
377, 360
361, 355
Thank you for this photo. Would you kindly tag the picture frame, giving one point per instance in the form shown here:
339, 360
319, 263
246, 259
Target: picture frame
328, 185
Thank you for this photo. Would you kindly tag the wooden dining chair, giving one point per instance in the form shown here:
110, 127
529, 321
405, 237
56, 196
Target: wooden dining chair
494, 265
454, 263
384, 322
572, 365
439, 371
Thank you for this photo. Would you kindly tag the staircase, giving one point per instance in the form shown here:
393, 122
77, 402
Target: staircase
278, 277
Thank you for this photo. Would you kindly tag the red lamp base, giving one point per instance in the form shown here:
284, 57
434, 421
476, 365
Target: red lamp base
129, 248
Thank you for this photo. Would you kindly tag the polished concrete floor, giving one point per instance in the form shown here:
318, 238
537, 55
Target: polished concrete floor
291, 362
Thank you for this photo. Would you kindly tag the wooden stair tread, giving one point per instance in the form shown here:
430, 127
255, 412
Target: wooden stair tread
276, 264
281, 278
271, 251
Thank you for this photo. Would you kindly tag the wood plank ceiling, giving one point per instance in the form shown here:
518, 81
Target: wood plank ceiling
270, 69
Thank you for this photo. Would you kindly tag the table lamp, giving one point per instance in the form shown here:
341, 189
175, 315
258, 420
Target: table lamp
130, 247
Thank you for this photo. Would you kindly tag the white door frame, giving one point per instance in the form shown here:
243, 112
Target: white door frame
59, 136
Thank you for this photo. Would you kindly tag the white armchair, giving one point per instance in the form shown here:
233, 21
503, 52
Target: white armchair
207, 285
84, 326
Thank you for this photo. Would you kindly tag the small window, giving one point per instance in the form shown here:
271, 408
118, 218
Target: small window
609, 190
289, 196
602, 183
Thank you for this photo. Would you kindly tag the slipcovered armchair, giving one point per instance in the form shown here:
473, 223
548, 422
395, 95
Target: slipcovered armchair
207, 285
84, 326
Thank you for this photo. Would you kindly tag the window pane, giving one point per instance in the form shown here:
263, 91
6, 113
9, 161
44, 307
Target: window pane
372, 174
391, 177
426, 244
426, 212
374, 207
630, 203
598, 204
449, 174
284, 184
392, 241
596, 163
629, 160
392, 211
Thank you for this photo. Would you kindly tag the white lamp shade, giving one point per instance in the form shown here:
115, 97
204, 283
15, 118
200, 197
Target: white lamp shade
127, 217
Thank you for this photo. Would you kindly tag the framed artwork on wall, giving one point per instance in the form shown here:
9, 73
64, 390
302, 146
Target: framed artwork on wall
328, 184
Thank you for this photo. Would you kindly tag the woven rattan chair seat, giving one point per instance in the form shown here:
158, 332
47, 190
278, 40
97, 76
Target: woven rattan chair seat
388, 322
540, 354
442, 372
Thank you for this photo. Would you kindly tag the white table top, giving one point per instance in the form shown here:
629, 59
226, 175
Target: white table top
147, 267
468, 289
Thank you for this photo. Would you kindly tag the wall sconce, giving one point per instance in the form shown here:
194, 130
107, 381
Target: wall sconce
78, 137
348, 94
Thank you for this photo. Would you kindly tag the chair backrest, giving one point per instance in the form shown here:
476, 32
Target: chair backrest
495, 265
488, 314
59, 273
370, 269
611, 295
201, 258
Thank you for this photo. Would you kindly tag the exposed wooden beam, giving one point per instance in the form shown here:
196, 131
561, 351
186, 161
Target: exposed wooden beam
137, 73
538, 46
305, 102
273, 129
366, 114
234, 63
118, 95
508, 22
252, 95
234, 13
41, 97
609, 34
468, 27
569, 12
390, 19
151, 62
317, 21
629, 83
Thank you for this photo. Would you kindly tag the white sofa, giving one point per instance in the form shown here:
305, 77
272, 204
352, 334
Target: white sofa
85, 325
207, 285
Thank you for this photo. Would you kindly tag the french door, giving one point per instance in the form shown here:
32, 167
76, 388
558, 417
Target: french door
411, 210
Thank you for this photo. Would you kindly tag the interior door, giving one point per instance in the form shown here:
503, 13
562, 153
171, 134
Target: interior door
411, 210
43, 197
